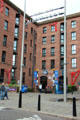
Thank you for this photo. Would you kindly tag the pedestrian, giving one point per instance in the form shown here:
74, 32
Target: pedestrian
6, 91
2, 91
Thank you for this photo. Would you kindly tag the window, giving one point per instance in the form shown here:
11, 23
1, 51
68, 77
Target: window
43, 64
44, 29
13, 73
6, 11
29, 71
15, 45
25, 35
16, 32
73, 62
18, 14
30, 43
35, 35
35, 49
52, 64
52, 38
30, 56
52, 51
23, 79
26, 24
5, 40
14, 60
62, 38
3, 56
31, 30
24, 61
62, 50
62, 63
2, 75
73, 49
43, 52
34, 60
44, 40
73, 35
52, 28
73, 24
17, 20
62, 27
25, 48
5, 25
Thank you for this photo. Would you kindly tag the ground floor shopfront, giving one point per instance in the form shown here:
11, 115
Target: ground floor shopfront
50, 79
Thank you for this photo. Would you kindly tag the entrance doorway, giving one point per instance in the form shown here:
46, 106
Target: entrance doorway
43, 81
61, 82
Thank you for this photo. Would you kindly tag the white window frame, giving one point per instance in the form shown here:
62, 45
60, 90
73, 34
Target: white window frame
73, 49
73, 23
52, 28
44, 40
73, 35
73, 62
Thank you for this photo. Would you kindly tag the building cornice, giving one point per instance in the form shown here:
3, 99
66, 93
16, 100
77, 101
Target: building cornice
60, 19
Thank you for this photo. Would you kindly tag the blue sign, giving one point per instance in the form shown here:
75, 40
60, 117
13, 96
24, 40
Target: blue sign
56, 74
35, 74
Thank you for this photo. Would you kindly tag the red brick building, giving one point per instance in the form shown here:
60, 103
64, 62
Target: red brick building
47, 48
11, 24
50, 48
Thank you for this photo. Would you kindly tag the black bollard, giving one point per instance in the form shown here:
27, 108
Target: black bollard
20, 99
74, 106
39, 101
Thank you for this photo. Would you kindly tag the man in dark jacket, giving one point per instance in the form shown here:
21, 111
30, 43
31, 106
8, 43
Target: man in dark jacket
2, 91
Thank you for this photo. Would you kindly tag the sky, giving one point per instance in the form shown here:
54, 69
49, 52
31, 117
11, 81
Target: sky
36, 6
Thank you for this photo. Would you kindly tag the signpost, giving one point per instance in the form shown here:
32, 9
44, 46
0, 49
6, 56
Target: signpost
22, 53
65, 93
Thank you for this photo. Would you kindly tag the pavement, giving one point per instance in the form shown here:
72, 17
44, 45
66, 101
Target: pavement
13, 114
51, 104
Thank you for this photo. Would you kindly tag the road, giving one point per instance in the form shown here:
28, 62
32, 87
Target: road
19, 114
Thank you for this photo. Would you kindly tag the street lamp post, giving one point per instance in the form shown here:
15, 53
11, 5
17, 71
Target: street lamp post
22, 53
65, 94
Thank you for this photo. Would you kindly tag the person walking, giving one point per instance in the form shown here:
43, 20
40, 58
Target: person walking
6, 91
2, 91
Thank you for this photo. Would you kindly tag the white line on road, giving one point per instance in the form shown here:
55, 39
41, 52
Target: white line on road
34, 117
